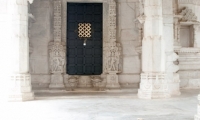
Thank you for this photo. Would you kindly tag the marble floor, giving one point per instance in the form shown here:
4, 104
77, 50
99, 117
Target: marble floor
101, 106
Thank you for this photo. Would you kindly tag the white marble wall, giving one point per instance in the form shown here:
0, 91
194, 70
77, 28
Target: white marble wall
189, 59
41, 34
128, 36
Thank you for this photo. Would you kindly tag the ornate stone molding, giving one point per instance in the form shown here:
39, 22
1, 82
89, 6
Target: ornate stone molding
188, 50
196, 2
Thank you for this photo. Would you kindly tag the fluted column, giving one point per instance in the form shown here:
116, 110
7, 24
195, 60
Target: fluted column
153, 83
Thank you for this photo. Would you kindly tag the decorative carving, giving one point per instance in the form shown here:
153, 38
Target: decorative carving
153, 85
112, 20
20, 87
57, 57
113, 56
57, 20
73, 82
188, 15
98, 83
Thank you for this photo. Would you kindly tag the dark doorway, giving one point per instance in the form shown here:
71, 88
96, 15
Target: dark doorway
84, 59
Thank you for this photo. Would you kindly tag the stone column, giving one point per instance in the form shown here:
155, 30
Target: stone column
153, 83
57, 51
170, 34
113, 51
20, 79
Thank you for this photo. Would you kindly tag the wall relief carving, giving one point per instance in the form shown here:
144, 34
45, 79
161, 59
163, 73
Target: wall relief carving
113, 56
57, 57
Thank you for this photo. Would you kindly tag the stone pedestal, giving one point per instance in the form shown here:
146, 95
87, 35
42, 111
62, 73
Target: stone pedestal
57, 82
84, 82
112, 80
20, 88
153, 86
174, 84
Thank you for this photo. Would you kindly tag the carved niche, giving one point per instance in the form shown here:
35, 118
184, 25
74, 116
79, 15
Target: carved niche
186, 20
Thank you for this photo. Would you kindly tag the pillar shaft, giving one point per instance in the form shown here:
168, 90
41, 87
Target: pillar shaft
20, 79
153, 84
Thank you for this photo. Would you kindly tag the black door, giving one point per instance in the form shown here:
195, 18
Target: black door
84, 60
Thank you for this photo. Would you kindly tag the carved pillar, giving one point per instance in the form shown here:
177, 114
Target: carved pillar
113, 50
153, 83
57, 51
20, 79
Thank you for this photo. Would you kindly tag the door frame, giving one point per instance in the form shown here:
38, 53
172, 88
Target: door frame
109, 8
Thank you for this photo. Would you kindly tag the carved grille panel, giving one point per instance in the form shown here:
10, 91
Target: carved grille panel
84, 30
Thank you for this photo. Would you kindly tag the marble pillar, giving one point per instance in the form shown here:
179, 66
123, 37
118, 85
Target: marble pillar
153, 83
113, 51
57, 51
20, 79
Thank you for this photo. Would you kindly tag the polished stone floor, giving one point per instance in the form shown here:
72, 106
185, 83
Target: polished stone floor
102, 106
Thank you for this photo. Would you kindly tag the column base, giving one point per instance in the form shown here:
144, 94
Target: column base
174, 85
153, 86
57, 82
20, 88
112, 81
